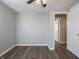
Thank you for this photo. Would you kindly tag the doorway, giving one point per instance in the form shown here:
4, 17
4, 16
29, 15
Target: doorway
61, 29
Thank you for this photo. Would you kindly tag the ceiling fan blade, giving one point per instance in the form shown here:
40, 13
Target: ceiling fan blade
44, 5
30, 1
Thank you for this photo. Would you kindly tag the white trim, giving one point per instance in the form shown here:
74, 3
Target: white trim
62, 42
51, 49
31, 44
35, 45
53, 16
60, 13
7, 50
72, 52
25, 45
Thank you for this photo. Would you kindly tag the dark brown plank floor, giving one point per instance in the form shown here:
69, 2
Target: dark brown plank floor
39, 53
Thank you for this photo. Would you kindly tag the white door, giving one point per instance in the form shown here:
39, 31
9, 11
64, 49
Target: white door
73, 31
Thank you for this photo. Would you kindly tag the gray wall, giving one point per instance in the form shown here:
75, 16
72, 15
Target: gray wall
7, 28
32, 28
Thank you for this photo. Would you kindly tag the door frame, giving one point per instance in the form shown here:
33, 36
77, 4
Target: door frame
54, 13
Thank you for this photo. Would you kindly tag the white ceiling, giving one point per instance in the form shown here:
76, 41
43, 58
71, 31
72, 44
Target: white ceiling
54, 5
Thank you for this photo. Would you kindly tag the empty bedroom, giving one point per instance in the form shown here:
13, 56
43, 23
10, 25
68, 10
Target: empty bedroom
39, 29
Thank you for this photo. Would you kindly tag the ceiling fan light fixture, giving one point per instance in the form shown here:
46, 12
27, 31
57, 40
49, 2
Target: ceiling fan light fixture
44, 5
38, 1
44, 1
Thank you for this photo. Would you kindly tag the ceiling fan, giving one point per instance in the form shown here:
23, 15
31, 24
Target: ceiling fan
42, 2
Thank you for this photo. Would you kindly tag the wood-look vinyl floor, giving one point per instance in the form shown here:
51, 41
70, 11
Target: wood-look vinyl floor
39, 52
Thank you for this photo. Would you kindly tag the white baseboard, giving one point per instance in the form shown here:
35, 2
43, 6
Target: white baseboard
31, 44
73, 52
35, 45
51, 48
7, 50
62, 42
25, 45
